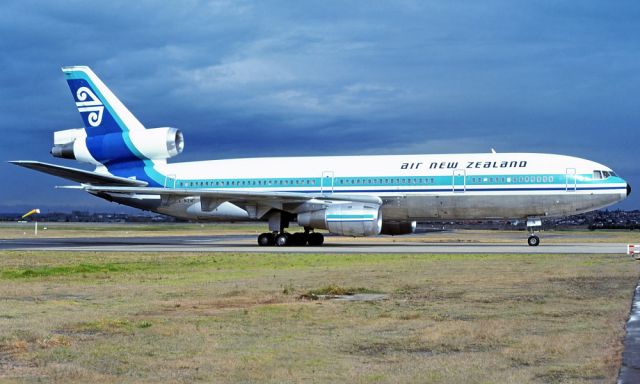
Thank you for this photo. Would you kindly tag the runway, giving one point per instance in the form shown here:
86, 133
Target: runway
247, 243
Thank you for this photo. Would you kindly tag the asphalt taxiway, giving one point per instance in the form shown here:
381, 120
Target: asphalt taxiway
247, 243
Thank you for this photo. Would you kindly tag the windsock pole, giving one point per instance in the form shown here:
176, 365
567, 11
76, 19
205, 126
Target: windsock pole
33, 212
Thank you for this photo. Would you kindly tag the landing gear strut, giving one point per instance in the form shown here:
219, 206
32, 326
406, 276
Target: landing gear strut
532, 224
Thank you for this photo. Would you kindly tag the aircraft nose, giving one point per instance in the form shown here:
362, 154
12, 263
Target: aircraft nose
628, 189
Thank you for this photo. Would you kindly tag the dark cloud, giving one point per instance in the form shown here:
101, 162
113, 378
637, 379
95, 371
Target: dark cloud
293, 78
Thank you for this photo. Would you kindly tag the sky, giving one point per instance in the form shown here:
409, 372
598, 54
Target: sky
288, 78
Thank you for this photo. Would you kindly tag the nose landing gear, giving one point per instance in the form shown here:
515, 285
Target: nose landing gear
532, 224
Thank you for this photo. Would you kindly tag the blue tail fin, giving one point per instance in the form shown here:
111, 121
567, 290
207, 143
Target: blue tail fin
101, 111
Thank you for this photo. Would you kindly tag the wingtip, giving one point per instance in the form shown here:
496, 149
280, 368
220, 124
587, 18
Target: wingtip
20, 162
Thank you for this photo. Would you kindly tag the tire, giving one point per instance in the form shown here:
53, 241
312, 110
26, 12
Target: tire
316, 239
533, 241
266, 239
283, 239
299, 239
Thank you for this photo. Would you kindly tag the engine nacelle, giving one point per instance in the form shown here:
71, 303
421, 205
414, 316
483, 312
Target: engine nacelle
349, 219
398, 227
147, 144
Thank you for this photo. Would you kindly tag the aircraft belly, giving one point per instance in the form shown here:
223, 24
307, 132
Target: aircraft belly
467, 206
144, 202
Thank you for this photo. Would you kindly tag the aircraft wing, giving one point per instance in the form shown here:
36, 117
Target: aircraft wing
238, 196
78, 175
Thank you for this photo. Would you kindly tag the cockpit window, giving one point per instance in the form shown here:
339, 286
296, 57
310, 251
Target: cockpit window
599, 175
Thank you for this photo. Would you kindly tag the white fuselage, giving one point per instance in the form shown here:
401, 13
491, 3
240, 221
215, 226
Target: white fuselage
412, 187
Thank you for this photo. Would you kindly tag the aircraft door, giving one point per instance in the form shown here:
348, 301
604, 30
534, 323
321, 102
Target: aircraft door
459, 180
326, 183
570, 180
170, 181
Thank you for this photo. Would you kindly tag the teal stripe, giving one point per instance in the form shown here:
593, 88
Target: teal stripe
392, 181
335, 216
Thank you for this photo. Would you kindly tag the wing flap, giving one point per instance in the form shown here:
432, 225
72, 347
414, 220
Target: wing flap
79, 175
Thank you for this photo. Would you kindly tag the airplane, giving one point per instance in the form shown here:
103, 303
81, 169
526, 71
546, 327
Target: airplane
345, 195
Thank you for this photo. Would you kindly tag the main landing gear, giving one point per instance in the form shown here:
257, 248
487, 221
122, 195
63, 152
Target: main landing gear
283, 239
532, 224
278, 222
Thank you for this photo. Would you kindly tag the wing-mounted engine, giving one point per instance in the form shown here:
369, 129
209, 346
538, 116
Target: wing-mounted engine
147, 144
349, 219
396, 228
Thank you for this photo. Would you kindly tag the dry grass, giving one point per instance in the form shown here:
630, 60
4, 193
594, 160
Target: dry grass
239, 317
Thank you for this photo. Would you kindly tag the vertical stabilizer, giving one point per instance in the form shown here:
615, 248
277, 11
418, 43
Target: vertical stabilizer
100, 109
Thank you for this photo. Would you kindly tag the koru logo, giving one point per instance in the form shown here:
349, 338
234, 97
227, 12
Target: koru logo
88, 102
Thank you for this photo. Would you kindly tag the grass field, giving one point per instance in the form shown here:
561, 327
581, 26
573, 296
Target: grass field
102, 317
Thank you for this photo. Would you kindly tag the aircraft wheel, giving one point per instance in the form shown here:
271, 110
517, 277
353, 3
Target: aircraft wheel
266, 239
299, 238
316, 238
533, 240
283, 239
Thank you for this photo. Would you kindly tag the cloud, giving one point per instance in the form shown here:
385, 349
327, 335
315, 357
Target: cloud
293, 78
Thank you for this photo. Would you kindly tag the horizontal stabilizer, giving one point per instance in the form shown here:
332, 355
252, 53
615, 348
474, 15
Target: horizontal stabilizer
79, 175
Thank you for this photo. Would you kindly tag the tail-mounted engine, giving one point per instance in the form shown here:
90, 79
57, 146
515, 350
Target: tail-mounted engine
146, 144
349, 219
